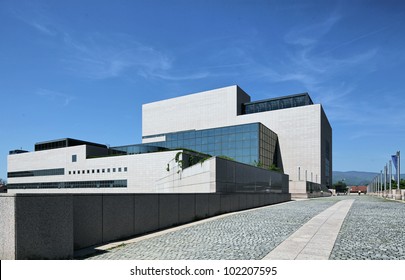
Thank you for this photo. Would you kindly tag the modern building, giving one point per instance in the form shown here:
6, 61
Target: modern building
213, 141
300, 134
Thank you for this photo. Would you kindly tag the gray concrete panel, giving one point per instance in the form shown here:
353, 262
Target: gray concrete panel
261, 199
186, 208
237, 177
44, 226
249, 200
256, 200
168, 210
201, 206
118, 216
242, 201
7, 227
235, 203
220, 169
146, 213
87, 220
226, 203
214, 204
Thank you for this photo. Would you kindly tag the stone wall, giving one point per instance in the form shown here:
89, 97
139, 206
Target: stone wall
40, 226
36, 226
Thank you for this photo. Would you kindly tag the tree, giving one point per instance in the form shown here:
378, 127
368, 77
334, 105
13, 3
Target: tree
401, 184
3, 184
340, 187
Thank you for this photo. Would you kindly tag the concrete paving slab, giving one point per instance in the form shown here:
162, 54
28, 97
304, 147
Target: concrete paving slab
315, 239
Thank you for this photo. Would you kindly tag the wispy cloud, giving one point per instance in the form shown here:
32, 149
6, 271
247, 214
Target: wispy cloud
195, 76
357, 38
35, 16
64, 99
42, 28
329, 79
101, 57
309, 35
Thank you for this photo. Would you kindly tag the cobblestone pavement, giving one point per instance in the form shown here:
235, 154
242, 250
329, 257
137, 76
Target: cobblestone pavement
245, 235
373, 229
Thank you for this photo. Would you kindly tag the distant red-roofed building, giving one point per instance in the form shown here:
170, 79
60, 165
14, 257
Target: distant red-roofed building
357, 189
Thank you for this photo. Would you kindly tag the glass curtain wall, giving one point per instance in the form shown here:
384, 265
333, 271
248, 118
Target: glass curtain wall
250, 143
277, 103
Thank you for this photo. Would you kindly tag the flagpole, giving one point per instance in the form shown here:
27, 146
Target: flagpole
390, 170
385, 181
398, 195
382, 194
375, 186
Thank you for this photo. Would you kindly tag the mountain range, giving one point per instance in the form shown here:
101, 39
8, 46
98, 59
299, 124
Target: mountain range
355, 178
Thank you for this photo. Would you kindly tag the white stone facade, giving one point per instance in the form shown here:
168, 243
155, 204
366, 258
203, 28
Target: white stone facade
304, 138
141, 171
302, 131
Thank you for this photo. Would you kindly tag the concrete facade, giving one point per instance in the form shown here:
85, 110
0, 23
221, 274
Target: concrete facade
36, 227
144, 173
7, 228
303, 148
223, 176
304, 133
142, 170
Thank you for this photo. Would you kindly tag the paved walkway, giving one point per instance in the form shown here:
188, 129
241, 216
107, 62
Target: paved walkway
315, 239
343, 227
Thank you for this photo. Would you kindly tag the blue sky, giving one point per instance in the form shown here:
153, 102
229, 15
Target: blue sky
82, 69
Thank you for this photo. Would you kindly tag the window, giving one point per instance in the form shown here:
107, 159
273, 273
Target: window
74, 158
119, 169
103, 170
70, 172
108, 170
125, 169
79, 184
113, 169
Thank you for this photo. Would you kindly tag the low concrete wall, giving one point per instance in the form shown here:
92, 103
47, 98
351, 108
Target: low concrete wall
218, 175
232, 176
7, 228
305, 189
40, 226
43, 226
